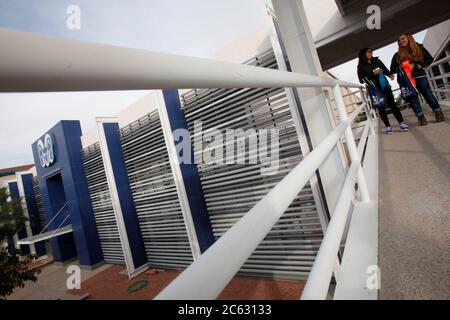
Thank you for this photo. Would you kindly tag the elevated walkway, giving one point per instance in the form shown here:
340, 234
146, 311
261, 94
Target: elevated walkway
414, 240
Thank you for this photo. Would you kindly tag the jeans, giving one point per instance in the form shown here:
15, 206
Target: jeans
395, 110
423, 86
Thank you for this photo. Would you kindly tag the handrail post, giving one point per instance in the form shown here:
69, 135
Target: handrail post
443, 95
351, 144
318, 283
433, 83
367, 109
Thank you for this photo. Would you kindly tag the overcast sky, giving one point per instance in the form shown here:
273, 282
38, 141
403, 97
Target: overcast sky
193, 27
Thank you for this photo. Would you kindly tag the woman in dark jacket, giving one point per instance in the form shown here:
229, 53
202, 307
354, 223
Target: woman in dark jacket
373, 69
415, 57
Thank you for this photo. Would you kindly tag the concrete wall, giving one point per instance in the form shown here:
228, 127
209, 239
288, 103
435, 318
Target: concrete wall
437, 38
338, 38
128, 115
245, 47
4, 180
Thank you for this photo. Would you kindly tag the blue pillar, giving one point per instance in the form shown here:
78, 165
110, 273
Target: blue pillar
22, 233
119, 175
54, 199
9, 240
33, 212
190, 175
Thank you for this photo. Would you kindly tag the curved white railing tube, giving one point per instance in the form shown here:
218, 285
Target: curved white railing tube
37, 63
318, 283
351, 144
442, 91
211, 272
434, 64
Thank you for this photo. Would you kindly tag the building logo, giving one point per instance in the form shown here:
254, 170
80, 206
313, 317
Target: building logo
45, 151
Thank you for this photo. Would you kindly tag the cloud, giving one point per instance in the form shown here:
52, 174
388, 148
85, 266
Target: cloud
29, 116
194, 27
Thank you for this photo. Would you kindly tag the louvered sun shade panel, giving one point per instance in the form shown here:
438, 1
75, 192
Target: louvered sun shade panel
155, 195
39, 204
102, 205
232, 190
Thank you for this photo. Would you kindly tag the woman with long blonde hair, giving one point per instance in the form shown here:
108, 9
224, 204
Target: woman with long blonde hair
414, 58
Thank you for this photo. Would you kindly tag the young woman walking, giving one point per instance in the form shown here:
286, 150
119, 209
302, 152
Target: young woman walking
414, 58
373, 69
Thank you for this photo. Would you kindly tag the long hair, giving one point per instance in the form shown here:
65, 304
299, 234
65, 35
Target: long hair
362, 55
412, 52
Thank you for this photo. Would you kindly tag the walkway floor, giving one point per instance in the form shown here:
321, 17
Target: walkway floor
51, 284
110, 284
415, 211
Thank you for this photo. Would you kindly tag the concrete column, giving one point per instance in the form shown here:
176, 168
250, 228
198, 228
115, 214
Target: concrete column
303, 58
297, 113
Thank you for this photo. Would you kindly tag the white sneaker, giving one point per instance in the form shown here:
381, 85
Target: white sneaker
388, 130
404, 127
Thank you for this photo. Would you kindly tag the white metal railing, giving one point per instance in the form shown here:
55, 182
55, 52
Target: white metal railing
126, 68
211, 272
134, 69
322, 271
440, 84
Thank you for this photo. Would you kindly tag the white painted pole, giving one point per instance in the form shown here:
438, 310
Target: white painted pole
209, 275
351, 145
295, 33
38, 63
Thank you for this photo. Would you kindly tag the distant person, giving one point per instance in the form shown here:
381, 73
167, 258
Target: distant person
414, 57
373, 69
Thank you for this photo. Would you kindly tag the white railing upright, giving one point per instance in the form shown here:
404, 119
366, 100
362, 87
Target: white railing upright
442, 89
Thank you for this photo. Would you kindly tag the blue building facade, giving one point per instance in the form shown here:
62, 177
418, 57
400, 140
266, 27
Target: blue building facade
69, 197
65, 194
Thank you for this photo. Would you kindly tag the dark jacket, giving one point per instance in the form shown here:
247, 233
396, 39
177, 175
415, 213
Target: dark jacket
365, 70
418, 72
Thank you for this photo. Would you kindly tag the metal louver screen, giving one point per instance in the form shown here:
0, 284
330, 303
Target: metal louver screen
154, 192
102, 205
231, 191
39, 204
